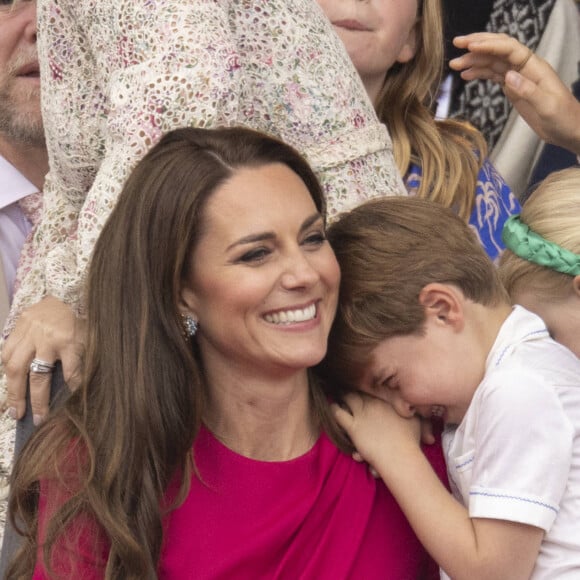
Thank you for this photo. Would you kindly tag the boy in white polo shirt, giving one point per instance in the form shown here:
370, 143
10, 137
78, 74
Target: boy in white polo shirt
425, 325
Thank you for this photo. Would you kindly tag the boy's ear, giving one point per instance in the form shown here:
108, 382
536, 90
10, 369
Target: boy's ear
576, 285
442, 303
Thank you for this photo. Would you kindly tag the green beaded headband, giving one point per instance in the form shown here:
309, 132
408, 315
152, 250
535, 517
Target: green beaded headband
529, 245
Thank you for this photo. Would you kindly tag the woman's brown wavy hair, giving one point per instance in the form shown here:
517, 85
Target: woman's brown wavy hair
127, 433
449, 152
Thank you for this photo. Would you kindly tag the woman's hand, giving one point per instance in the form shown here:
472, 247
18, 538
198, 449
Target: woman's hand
529, 82
45, 333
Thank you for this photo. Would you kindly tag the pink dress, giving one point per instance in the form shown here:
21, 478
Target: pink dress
319, 516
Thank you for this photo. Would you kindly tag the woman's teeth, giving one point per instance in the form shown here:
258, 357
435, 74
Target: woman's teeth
289, 316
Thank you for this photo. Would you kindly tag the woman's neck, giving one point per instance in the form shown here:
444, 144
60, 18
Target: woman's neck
264, 419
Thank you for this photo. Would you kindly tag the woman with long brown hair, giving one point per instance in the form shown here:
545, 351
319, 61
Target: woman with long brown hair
199, 444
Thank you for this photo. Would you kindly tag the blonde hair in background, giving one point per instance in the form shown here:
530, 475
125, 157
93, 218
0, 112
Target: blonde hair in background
449, 152
553, 212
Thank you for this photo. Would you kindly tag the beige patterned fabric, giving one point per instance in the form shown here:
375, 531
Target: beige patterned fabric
117, 74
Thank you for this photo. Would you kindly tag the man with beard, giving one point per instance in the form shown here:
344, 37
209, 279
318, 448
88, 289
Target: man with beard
23, 163
23, 156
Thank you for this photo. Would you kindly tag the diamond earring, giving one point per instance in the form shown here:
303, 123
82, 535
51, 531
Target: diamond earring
189, 325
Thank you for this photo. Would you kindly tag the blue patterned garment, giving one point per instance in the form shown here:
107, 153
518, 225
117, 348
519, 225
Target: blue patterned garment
494, 204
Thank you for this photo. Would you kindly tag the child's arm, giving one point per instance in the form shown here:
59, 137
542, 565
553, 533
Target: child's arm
463, 547
535, 89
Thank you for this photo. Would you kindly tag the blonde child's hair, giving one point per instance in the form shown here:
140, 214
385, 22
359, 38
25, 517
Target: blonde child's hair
449, 152
553, 212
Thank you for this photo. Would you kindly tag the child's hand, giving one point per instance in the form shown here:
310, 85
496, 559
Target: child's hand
379, 434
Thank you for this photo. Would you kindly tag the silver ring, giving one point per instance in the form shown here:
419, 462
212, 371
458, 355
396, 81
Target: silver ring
41, 366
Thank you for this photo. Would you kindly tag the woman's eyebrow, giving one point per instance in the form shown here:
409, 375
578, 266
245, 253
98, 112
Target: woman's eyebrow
263, 236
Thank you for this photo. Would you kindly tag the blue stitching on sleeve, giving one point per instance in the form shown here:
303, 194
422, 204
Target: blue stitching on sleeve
503, 352
501, 496
467, 462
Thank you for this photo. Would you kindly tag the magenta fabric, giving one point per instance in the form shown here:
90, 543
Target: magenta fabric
320, 516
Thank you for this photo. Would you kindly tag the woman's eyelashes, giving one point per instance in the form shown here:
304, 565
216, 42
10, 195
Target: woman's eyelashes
315, 238
259, 254
254, 256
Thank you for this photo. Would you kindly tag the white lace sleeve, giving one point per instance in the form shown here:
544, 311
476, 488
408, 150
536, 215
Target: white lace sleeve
117, 74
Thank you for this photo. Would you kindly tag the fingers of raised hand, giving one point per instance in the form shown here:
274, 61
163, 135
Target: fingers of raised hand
490, 56
498, 46
465, 40
480, 66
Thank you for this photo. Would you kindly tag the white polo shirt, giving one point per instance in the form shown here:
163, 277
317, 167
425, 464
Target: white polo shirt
14, 226
516, 454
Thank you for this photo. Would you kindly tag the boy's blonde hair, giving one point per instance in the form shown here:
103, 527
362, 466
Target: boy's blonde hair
449, 152
553, 212
389, 249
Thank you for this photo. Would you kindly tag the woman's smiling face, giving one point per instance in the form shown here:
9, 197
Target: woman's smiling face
263, 280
